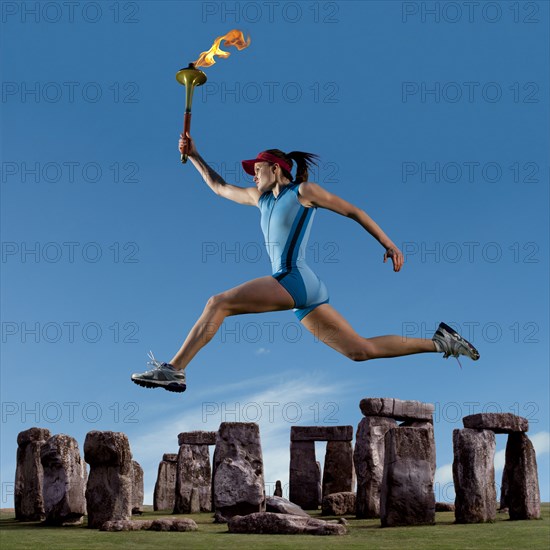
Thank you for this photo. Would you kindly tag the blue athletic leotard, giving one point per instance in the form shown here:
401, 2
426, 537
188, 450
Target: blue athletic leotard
286, 225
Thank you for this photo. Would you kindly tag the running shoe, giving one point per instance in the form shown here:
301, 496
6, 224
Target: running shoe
448, 341
162, 375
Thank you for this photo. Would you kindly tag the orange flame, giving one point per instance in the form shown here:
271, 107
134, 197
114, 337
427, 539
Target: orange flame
232, 38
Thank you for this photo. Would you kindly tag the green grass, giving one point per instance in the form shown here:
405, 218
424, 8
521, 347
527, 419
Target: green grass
366, 534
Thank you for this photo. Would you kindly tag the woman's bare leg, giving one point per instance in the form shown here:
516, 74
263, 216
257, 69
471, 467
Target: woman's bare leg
328, 326
256, 296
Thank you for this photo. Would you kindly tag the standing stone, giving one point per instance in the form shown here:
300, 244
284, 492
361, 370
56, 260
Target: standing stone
278, 492
64, 483
28, 496
474, 475
193, 480
407, 495
164, 495
137, 488
305, 475
109, 489
368, 458
504, 490
319, 485
238, 476
522, 497
338, 473
430, 427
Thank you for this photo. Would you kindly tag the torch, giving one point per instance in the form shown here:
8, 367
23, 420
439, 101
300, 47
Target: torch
191, 77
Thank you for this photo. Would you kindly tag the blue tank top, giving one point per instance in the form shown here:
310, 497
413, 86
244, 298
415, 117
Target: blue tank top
286, 225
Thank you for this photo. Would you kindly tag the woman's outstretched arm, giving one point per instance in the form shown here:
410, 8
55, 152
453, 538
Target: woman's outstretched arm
314, 195
242, 195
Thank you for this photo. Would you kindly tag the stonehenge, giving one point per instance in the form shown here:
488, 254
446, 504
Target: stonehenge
387, 453
393, 459
473, 469
338, 473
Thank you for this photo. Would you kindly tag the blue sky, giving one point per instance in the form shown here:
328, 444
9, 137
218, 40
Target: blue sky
435, 123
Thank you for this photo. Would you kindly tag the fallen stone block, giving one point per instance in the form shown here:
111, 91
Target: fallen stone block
444, 507
281, 505
269, 523
338, 504
161, 524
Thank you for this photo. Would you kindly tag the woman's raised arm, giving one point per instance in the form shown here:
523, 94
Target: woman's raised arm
242, 195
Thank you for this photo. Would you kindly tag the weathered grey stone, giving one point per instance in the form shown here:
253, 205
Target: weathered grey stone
428, 425
339, 504
397, 409
407, 495
64, 483
28, 495
444, 507
269, 523
368, 458
161, 524
281, 505
504, 490
522, 496
109, 488
500, 423
474, 475
164, 495
238, 471
338, 472
197, 438
305, 475
137, 488
278, 492
193, 480
319, 484
321, 433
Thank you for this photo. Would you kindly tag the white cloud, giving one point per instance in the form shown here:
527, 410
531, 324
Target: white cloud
262, 351
541, 442
444, 474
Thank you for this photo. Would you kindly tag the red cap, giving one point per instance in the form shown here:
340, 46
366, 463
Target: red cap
248, 165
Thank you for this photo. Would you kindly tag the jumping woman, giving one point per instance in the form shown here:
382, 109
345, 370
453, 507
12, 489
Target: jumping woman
287, 207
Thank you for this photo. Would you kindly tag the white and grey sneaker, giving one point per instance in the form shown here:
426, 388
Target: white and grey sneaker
162, 375
448, 341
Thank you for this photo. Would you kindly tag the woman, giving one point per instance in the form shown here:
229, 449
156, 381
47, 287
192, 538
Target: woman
287, 207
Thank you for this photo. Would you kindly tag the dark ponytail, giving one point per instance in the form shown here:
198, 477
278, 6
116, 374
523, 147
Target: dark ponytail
303, 161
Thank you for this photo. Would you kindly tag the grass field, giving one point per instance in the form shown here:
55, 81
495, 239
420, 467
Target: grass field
365, 534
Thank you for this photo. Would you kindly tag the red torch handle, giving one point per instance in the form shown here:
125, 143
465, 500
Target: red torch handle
186, 130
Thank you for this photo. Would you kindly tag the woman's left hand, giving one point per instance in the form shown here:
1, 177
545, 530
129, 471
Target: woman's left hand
396, 257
